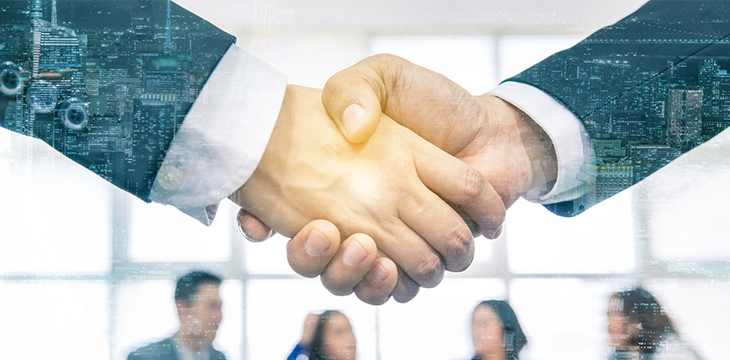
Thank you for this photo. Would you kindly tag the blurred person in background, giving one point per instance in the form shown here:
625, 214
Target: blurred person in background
198, 303
333, 338
639, 328
301, 351
496, 332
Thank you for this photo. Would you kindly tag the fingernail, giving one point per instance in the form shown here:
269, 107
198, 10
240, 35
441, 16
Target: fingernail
244, 233
498, 233
378, 274
352, 118
354, 254
316, 243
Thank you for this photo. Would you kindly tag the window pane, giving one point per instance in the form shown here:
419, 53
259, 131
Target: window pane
52, 320
55, 215
698, 308
162, 233
230, 334
144, 312
597, 241
268, 257
439, 316
308, 59
517, 53
687, 205
484, 249
276, 309
560, 314
467, 60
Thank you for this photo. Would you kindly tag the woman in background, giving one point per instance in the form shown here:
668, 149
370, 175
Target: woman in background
639, 328
496, 332
333, 338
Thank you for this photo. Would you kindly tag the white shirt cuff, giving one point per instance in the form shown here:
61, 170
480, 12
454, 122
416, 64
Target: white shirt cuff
223, 137
572, 144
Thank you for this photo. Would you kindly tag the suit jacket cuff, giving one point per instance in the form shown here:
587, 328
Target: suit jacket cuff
572, 144
223, 137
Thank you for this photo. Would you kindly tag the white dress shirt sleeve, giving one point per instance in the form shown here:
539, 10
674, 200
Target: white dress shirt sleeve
223, 137
572, 144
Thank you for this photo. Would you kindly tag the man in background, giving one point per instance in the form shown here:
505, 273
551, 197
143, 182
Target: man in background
198, 305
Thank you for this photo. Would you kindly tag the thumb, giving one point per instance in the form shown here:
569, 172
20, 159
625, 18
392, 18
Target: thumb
353, 99
252, 228
426, 102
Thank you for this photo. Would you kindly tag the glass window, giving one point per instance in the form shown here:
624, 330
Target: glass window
687, 220
144, 312
276, 309
45, 320
698, 308
267, 257
437, 323
538, 242
230, 334
88, 270
563, 318
467, 60
308, 59
163, 233
55, 216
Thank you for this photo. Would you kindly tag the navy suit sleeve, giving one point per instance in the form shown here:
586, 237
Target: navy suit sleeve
647, 89
107, 83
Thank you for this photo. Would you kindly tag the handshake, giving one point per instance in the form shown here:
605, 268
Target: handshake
385, 176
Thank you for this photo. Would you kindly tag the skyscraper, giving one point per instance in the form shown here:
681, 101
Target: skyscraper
54, 15
684, 126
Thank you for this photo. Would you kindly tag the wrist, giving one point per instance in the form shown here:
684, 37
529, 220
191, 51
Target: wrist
539, 147
526, 148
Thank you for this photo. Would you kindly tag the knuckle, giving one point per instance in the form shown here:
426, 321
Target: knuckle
369, 296
405, 291
471, 183
458, 247
383, 58
336, 286
498, 217
429, 271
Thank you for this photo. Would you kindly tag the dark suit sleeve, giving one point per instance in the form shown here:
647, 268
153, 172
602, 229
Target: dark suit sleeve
107, 83
647, 89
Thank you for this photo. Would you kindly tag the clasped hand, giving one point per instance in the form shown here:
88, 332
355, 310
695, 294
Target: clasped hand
418, 151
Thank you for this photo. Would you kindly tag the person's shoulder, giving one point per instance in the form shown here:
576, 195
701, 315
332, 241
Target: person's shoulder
674, 348
217, 355
156, 350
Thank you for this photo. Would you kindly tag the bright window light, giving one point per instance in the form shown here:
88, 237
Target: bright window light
467, 60
268, 257
276, 309
439, 316
55, 216
144, 312
230, 334
162, 233
308, 59
601, 240
46, 320
698, 308
560, 314
687, 205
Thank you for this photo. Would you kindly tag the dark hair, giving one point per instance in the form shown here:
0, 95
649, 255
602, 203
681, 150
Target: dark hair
639, 306
316, 348
189, 284
514, 338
